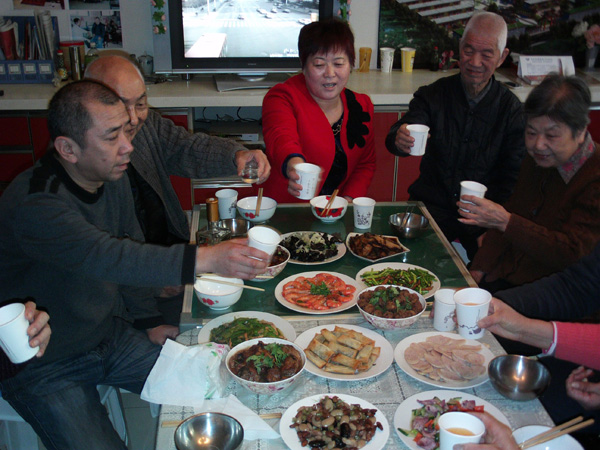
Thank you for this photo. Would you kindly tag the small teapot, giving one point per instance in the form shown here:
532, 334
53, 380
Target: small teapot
146, 64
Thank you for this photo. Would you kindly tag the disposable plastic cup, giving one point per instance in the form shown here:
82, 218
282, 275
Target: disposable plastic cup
408, 58
459, 428
419, 133
471, 188
363, 212
309, 179
387, 59
227, 203
443, 310
263, 238
472, 304
13, 333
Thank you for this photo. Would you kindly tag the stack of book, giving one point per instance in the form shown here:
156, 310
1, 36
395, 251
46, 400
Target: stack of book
28, 48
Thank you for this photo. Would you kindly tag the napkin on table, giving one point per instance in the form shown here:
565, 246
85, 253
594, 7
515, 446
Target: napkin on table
254, 426
185, 376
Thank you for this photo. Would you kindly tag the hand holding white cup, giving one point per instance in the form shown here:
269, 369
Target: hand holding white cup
13, 333
459, 428
419, 133
472, 188
264, 238
309, 179
472, 304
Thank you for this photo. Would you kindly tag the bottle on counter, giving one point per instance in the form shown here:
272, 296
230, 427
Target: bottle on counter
435, 60
92, 54
61, 69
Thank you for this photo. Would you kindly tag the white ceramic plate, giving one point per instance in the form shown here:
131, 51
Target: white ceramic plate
290, 437
284, 326
386, 357
378, 259
405, 343
341, 250
397, 266
345, 278
564, 442
403, 415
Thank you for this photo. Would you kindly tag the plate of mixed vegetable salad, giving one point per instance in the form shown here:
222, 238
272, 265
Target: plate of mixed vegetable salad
415, 420
413, 277
242, 326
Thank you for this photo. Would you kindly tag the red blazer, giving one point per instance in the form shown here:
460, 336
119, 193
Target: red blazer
293, 123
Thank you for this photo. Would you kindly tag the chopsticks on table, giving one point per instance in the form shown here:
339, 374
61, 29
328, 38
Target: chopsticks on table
258, 201
175, 423
329, 204
407, 215
228, 283
557, 431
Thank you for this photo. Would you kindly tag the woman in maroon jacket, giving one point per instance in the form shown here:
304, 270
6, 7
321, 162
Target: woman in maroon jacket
313, 118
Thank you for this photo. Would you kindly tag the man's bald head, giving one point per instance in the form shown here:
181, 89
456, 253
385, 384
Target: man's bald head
122, 75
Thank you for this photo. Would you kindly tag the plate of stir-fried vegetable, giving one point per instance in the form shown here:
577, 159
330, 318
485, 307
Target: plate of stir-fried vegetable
236, 327
410, 276
415, 420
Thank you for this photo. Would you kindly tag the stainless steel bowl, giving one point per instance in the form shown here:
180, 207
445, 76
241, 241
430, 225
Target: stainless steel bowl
237, 227
409, 227
518, 377
209, 431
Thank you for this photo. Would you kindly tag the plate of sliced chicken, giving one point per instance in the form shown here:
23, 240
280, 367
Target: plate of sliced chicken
444, 360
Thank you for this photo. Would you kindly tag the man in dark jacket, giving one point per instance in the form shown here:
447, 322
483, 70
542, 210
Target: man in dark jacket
476, 130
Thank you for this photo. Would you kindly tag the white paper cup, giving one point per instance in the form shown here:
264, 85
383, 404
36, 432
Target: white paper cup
13, 333
309, 179
263, 238
471, 188
227, 203
419, 133
387, 59
472, 304
443, 310
459, 428
363, 212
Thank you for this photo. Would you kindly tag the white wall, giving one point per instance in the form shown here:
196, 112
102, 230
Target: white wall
137, 27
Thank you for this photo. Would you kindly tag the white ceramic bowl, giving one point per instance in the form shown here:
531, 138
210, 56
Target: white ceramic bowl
564, 442
216, 295
273, 271
337, 211
265, 388
247, 208
391, 324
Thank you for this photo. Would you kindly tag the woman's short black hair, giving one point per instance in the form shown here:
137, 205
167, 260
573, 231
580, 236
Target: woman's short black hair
563, 99
325, 36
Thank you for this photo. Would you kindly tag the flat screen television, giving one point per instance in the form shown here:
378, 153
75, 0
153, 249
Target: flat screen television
246, 43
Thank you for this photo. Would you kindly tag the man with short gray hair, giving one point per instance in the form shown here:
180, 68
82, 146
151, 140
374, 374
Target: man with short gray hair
476, 130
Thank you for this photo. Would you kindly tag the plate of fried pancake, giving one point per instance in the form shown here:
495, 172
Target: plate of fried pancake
444, 360
345, 352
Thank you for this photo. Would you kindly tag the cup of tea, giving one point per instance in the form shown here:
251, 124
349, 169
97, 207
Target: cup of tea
459, 428
472, 304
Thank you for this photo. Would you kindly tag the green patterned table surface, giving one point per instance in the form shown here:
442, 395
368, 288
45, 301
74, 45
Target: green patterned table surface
428, 251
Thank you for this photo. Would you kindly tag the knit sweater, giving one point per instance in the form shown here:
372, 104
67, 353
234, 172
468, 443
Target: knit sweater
552, 224
578, 343
294, 124
73, 251
163, 149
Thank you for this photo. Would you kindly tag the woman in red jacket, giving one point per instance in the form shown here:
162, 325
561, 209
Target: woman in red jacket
313, 118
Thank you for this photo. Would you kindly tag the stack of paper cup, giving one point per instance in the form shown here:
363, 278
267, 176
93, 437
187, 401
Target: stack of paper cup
419, 133
309, 179
408, 58
387, 59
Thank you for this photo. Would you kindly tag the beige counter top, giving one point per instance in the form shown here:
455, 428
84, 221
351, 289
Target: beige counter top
388, 91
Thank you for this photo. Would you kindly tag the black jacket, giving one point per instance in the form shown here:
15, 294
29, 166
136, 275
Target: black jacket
484, 145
